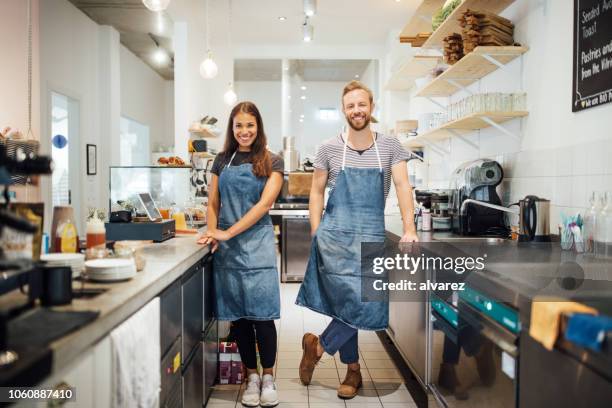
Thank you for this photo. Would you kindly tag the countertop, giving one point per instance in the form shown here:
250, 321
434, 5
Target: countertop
516, 273
165, 262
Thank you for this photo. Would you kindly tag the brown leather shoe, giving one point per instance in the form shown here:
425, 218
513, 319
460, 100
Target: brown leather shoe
351, 384
309, 357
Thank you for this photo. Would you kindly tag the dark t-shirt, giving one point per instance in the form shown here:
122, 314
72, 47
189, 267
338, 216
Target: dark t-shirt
241, 158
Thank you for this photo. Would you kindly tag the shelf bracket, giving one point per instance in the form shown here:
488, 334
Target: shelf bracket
440, 151
463, 138
494, 61
500, 127
458, 85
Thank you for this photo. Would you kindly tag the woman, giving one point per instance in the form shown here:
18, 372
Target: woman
246, 180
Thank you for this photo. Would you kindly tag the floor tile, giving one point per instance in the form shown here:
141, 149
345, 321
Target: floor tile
287, 373
290, 355
223, 396
286, 363
399, 395
321, 373
323, 396
293, 396
377, 363
366, 396
290, 405
324, 383
288, 384
372, 346
402, 405
339, 404
221, 404
384, 373
388, 384
376, 355
286, 346
370, 404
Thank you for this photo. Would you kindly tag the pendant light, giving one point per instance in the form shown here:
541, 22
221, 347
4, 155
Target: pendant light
230, 96
156, 5
208, 67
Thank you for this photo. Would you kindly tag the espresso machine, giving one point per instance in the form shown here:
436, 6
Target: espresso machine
474, 205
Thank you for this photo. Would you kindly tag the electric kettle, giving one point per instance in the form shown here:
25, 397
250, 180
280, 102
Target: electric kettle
534, 219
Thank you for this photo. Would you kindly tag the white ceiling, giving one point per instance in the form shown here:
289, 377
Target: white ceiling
307, 70
337, 22
255, 22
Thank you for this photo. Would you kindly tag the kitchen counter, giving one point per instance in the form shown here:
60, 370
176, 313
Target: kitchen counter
165, 262
515, 275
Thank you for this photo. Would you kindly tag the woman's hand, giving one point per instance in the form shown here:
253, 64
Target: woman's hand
208, 239
218, 235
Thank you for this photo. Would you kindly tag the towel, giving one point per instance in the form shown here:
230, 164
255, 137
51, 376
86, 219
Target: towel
546, 316
136, 359
588, 331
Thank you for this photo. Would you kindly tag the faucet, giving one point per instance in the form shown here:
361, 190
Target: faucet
485, 204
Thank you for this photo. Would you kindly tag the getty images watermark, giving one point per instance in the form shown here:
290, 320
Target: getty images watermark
410, 273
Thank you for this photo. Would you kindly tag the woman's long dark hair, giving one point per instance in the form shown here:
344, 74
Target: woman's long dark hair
259, 155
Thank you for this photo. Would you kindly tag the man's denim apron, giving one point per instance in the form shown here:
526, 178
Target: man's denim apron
245, 274
333, 280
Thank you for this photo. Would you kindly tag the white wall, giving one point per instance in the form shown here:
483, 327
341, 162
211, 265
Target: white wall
267, 96
14, 73
147, 98
559, 155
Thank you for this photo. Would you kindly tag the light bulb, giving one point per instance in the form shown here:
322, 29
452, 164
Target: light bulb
230, 96
160, 56
310, 7
156, 5
307, 31
208, 68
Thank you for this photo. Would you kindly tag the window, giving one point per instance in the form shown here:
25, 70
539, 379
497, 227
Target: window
134, 146
328, 114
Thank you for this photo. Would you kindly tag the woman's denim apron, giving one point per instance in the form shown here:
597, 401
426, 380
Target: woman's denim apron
333, 280
245, 274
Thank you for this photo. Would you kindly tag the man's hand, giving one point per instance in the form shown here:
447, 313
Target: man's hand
410, 236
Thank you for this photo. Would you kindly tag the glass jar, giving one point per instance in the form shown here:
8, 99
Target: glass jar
603, 227
590, 224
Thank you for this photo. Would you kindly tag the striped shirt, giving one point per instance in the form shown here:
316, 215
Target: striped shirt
329, 157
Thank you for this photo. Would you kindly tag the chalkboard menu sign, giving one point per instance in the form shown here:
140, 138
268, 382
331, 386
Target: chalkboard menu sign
592, 54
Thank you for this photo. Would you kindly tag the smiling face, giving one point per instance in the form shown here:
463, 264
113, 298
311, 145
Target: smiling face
357, 109
245, 130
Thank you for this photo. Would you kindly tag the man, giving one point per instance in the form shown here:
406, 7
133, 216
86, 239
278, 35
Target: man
358, 166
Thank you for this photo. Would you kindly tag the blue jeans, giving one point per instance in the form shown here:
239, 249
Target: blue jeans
338, 336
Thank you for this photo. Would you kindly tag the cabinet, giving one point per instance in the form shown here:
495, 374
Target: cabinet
90, 376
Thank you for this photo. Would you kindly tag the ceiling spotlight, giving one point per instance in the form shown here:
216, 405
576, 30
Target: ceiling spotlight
310, 7
307, 31
303, 97
282, 18
301, 120
156, 5
303, 87
208, 67
356, 75
160, 56
160, 23
302, 116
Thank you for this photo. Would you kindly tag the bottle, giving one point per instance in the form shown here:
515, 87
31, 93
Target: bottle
590, 224
96, 232
601, 233
67, 240
426, 223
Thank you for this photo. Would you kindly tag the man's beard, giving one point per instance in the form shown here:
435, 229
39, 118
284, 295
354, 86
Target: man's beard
366, 122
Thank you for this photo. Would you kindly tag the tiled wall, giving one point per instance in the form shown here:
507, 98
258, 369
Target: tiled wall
556, 154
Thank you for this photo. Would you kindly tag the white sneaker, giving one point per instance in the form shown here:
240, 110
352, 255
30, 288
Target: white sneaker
269, 395
250, 396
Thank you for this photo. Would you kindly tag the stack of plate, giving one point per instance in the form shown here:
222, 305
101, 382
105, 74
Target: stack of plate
110, 269
76, 262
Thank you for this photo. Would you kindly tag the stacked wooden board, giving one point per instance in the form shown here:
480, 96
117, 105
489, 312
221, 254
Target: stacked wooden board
484, 28
453, 48
417, 40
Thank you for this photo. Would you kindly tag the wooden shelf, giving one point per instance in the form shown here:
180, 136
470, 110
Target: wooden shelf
202, 132
421, 19
416, 67
451, 24
474, 121
470, 69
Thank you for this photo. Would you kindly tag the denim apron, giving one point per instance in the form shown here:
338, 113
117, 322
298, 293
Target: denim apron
245, 274
333, 279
